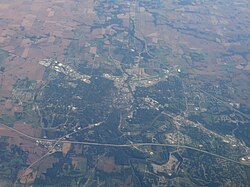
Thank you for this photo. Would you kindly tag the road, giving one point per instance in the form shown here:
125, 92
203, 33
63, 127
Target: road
155, 144
132, 144
225, 103
51, 150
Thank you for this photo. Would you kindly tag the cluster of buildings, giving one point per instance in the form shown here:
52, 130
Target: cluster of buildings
65, 69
